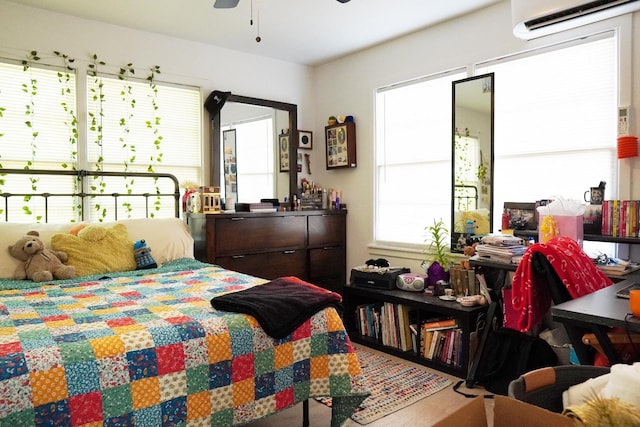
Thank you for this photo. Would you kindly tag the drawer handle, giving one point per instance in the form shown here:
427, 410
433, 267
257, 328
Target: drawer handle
236, 218
289, 252
237, 256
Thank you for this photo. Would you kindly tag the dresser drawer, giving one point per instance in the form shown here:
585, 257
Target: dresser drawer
269, 265
327, 229
236, 235
327, 263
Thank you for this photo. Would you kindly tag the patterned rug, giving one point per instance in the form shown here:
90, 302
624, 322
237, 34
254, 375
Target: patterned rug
393, 386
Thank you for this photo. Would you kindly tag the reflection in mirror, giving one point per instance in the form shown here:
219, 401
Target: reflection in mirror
246, 155
472, 159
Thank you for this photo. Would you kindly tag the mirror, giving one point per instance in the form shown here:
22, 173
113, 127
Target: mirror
268, 127
472, 159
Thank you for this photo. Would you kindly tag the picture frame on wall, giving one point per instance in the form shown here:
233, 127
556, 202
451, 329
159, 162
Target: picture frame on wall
341, 145
305, 139
284, 152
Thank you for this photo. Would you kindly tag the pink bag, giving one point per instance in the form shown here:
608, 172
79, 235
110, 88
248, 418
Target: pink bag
569, 226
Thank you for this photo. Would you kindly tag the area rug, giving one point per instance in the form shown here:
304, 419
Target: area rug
393, 386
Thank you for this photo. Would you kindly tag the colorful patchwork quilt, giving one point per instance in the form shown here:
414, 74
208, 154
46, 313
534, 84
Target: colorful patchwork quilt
148, 349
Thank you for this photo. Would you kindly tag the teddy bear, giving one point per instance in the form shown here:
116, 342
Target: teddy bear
38, 263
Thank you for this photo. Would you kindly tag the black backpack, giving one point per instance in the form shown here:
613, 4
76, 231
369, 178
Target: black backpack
507, 354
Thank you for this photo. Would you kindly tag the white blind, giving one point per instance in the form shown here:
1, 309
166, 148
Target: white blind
35, 96
38, 129
413, 158
555, 127
130, 132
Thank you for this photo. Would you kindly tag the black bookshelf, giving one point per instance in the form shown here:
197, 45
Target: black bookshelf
427, 306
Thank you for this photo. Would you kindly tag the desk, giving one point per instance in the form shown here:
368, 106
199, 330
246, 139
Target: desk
596, 312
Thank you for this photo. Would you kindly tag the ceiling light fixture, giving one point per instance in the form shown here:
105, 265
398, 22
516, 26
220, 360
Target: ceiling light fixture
225, 4
228, 4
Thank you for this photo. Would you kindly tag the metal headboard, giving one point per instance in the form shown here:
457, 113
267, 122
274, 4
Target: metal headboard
82, 177
464, 195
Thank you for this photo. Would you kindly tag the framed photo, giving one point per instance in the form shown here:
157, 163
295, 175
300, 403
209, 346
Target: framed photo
341, 145
521, 215
305, 139
284, 152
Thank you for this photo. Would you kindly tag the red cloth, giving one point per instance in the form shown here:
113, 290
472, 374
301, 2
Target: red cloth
531, 300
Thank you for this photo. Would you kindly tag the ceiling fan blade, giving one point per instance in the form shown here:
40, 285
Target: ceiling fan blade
225, 4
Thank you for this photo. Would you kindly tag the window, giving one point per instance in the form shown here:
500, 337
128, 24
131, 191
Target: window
136, 128
555, 135
555, 127
413, 158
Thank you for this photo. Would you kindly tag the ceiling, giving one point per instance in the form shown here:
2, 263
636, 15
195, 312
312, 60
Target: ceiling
300, 31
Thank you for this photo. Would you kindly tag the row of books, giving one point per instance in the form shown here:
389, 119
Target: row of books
442, 343
463, 281
394, 326
387, 323
621, 218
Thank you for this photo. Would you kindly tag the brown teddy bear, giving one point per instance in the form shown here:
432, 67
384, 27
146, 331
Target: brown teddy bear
38, 263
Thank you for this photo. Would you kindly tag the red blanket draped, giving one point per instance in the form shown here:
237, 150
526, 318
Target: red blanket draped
576, 270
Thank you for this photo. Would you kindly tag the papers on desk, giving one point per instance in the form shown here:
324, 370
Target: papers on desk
618, 270
507, 254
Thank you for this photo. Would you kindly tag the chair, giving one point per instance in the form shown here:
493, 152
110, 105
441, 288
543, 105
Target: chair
543, 269
543, 387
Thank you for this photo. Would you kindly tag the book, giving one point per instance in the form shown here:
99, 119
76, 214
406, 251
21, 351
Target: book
404, 327
439, 324
435, 338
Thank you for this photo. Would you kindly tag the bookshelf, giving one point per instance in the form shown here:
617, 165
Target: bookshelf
422, 308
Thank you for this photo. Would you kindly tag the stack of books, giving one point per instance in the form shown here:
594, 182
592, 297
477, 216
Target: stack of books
501, 248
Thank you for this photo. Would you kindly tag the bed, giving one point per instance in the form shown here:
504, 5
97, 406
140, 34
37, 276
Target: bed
145, 347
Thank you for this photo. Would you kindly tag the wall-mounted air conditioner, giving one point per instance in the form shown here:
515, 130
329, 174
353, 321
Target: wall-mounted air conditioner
535, 18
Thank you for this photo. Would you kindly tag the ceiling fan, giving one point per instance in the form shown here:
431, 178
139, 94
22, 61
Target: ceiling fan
228, 4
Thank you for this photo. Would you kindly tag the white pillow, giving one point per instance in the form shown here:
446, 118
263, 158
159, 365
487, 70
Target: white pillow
168, 238
11, 232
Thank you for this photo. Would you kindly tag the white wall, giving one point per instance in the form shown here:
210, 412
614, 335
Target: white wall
347, 86
23, 29
344, 86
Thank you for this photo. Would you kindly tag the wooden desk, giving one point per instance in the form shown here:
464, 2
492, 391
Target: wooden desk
596, 312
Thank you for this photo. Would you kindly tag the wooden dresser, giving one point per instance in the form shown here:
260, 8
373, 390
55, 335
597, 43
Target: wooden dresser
308, 244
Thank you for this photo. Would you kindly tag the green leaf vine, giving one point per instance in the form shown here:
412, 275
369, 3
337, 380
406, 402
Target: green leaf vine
67, 103
126, 96
95, 125
31, 89
154, 126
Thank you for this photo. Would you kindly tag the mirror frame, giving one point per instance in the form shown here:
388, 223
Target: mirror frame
216, 137
455, 236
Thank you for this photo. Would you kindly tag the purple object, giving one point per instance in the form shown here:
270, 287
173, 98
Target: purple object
435, 272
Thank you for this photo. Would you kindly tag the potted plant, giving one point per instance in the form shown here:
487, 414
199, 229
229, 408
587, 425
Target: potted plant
438, 256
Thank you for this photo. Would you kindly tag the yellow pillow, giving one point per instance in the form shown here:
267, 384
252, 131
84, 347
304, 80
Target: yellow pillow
97, 249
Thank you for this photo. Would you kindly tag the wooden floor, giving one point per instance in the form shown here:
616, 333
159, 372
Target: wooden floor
422, 413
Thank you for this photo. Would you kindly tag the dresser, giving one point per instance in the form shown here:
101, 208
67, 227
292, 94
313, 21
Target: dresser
308, 244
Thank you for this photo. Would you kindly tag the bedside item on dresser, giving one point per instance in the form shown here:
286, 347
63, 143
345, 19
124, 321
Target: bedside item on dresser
411, 282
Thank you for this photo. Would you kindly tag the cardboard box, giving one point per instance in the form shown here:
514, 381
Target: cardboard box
507, 412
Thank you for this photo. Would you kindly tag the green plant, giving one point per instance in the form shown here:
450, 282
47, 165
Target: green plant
438, 244
31, 89
154, 126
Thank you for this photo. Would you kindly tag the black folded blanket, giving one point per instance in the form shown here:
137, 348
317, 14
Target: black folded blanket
280, 306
